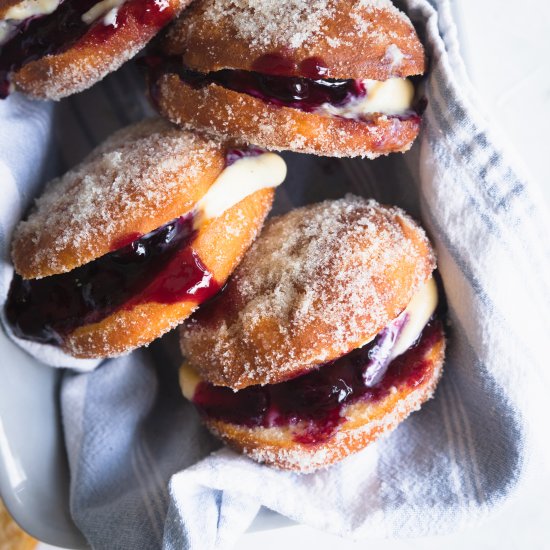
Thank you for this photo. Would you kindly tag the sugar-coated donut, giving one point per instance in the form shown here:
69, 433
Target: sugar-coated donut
326, 336
126, 245
321, 280
52, 49
326, 77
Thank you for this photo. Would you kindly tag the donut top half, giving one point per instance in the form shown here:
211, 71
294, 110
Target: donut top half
318, 283
107, 227
344, 58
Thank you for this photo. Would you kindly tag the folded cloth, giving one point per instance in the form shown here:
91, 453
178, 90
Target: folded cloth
142, 472
28, 156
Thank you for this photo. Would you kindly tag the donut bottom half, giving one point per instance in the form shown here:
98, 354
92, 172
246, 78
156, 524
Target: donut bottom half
365, 421
223, 112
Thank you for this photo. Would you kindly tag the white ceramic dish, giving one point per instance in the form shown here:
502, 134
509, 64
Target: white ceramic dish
34, 476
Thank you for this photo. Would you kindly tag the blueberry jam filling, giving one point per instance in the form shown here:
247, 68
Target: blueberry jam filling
313, 402
301, 93
54, 33
157, 267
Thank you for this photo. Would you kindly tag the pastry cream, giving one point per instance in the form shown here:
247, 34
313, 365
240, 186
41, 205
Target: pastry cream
418, 313
389, 97
239, 180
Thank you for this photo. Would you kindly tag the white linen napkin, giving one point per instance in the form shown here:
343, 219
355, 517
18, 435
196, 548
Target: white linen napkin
142, 475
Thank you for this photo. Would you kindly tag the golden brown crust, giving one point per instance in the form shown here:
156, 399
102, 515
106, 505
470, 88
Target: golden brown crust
354, 38
220, 244
224, 112
319, 282
87, 61
365, 422
12, 537
142, 177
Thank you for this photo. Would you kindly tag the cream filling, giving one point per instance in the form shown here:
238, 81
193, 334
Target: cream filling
107, 9
418, 312
236, 182
243, 178
189, 380
389, 97
414, 318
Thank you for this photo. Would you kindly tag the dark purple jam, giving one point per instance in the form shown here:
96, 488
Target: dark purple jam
315, 400
54, 33
301, 93
157, 267
274, 82
306, 94
233, 155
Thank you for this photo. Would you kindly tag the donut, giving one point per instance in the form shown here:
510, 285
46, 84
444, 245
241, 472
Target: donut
126, 245
327, 335
50, 49
328, 77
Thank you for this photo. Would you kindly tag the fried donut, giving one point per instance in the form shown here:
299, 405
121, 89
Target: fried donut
50, 49
328, 77
125, 246
325, 337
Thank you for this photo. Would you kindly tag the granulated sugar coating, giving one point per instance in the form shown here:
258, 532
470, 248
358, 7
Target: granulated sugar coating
284, 24
68, 77
140, 178
259, 21
319, 282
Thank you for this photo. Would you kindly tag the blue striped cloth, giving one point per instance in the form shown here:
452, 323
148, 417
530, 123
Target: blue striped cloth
145, 474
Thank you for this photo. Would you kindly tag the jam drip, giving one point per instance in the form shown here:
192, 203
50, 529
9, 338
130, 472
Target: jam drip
157, 267
54, 33
314, 401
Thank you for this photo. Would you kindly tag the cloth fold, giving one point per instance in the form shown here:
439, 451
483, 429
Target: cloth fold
145, 474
